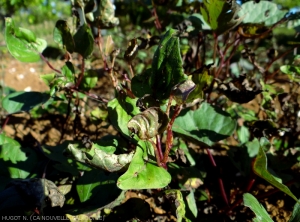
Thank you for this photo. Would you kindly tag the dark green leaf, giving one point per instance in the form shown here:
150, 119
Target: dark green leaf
84, 35
140, 83
15, 161
167, 68
97, 188
23, 101
208, 124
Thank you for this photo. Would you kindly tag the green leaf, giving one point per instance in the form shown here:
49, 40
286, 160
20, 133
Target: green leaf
22, 43
89, 80
167, 68
264, 12
15, 161
120, 111
208, 124
293, 71
260, 169
47, 78
68, 71
84, 35
23, 101
140, 84
64, 164
202, 79
260, 212
296, 213
143, 174
191, 201
220, 14
63, 37
177, 199
97, 188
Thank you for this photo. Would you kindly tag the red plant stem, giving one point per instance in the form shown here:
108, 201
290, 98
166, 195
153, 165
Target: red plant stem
157, 154
50, 66
158, 144
169, 141
221, 185
156, 22
99, 43
81, 74
5, 123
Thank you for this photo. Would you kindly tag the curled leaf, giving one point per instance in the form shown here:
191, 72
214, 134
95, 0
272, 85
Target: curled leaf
131, 50
149, 123
99, 158
182, 90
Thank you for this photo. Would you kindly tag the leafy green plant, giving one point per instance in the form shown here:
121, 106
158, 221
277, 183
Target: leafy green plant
186, 85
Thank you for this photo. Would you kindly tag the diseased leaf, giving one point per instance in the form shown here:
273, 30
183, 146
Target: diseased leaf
149, 123
260, 169
260, 212
176, 198
105, 15
22, 43
100, 159
264, 12
63, 37
143, 173
167, 68
208, 124
221, 15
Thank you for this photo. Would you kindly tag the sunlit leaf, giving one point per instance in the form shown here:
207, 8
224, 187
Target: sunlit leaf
176, 197
260, 212
22, 43
208, 124
264, 12
120, 111
221, 15
260, 169
143, 174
